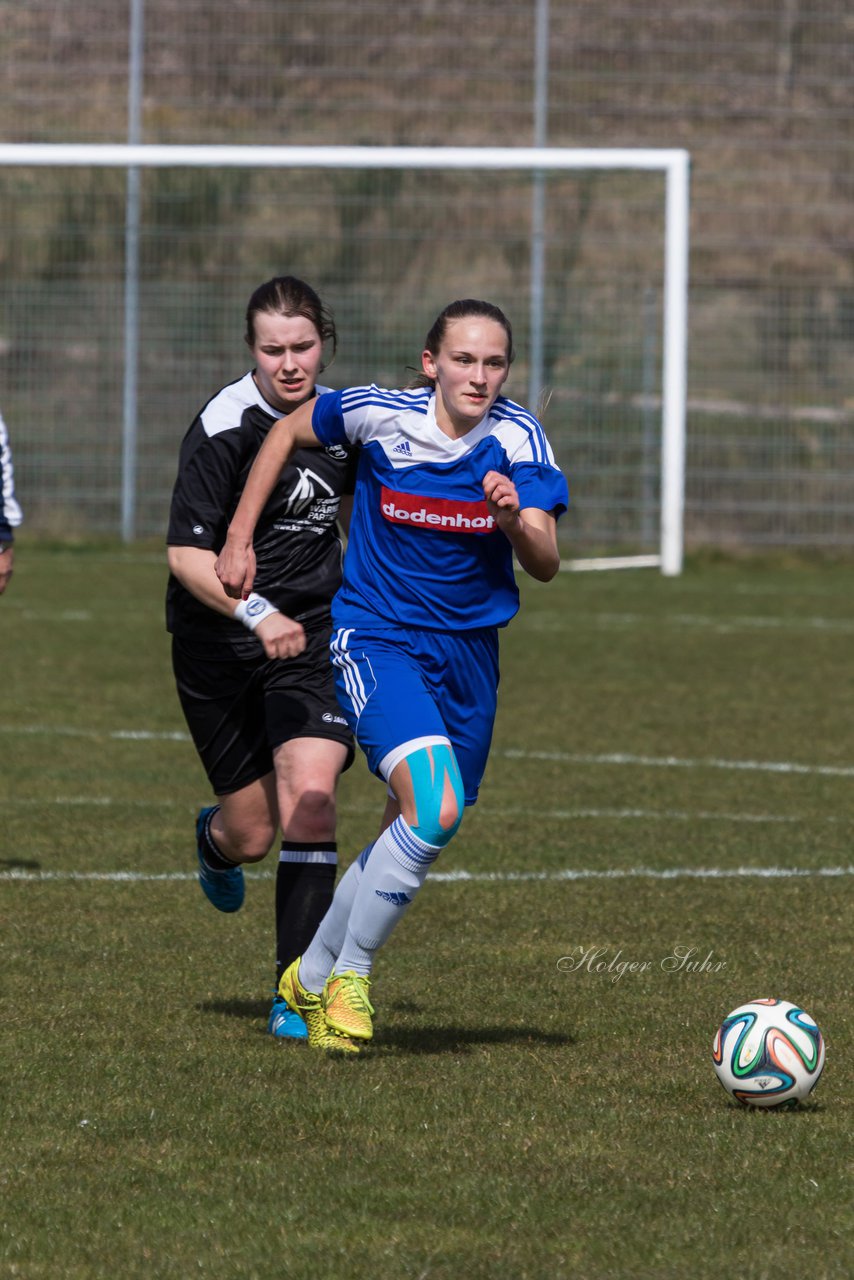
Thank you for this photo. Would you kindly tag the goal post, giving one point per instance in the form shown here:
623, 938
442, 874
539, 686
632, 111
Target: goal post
672, 163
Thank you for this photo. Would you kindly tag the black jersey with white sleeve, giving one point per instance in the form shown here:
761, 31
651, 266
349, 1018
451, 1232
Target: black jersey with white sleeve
297, 540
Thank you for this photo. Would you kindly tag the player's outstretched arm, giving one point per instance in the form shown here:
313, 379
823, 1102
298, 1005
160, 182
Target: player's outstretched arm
281, 636
194, 569
235, 566
532, 532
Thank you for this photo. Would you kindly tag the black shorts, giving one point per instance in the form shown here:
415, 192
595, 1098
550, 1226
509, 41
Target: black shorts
238, 709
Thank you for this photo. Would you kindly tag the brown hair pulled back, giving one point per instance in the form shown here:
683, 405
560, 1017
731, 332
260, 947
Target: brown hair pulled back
290, 296
462, 309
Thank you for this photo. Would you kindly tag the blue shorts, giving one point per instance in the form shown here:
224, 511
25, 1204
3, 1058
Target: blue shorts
395, 685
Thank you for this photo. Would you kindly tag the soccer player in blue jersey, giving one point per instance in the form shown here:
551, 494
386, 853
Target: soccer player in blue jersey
453, 481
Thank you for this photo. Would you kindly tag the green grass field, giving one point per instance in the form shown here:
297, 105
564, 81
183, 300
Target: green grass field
512, 1120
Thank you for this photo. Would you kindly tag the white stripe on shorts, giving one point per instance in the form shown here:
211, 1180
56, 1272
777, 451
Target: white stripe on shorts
345, 664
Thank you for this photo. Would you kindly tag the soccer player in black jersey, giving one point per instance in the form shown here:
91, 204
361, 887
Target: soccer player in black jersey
254, 676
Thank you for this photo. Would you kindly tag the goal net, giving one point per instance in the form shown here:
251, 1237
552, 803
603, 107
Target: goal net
127, 270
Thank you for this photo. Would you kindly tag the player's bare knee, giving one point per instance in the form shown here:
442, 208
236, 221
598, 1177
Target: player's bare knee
253, 852
312, 818
248, 845
450, 818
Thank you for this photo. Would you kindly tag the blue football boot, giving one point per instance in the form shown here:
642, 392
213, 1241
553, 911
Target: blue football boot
225, 889
284, 1024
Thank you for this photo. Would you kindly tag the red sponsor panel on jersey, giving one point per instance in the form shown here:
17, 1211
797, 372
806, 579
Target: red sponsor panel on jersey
452, 515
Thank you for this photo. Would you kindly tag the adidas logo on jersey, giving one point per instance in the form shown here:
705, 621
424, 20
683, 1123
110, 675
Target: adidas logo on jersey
396, 899
404, 449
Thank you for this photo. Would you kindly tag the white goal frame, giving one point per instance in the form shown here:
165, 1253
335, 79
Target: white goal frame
674, 164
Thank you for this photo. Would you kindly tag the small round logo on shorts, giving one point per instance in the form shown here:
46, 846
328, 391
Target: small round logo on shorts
329, 718
336, 451
198, 528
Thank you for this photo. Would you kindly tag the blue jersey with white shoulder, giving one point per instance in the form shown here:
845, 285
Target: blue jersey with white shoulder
423, 550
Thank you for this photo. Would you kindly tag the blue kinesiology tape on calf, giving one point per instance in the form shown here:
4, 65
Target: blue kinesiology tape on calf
429, 767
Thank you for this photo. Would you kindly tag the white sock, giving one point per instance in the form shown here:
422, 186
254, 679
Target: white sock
397, 869
319, 956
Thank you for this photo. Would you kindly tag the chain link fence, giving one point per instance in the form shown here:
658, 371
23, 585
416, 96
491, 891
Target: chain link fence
760, 98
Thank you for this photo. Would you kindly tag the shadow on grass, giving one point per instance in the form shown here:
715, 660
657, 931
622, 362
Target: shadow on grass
252, 1009
807, 1107
20, 864
436, 1039
422, 1039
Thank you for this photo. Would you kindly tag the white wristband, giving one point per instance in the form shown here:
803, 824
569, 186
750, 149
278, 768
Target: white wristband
253, 610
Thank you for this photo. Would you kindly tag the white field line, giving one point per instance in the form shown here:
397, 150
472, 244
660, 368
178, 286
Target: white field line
544, 815
693, 621
606, 618
645, 873
561, 757
114, 735
22, 874
676, 762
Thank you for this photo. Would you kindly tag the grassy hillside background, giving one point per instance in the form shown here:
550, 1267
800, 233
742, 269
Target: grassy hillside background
761, 99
